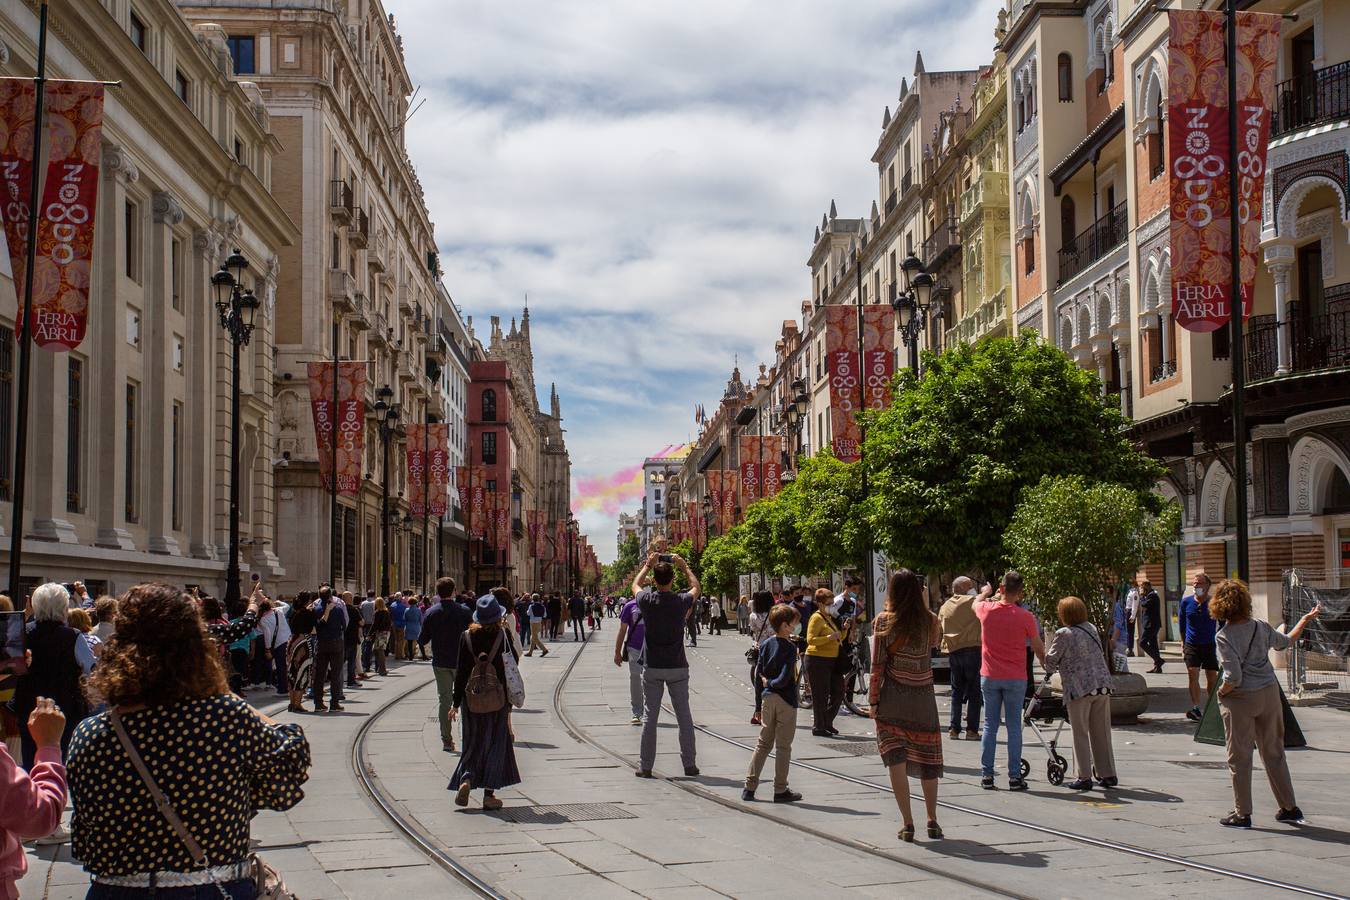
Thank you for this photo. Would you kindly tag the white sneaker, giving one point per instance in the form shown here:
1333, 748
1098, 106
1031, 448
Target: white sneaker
59, 836
636, 720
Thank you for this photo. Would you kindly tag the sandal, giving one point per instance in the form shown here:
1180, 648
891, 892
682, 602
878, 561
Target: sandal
906, 834
934, 830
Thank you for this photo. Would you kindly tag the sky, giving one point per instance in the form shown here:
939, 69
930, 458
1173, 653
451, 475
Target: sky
650, 174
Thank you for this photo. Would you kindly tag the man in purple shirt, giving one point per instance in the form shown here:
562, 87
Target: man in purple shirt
631, 644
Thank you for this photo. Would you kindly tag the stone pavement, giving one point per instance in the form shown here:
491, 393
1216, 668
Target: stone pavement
582, 825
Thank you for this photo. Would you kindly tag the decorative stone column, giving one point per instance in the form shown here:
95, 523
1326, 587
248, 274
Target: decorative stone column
201, 379
107, 386
158, 485
1101, 355
1284, 337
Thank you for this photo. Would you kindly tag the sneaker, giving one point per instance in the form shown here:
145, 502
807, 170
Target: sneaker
462, 795
636, 720
448, 746
1195, 714
491, 803
787, 797
337, 707
644, 773
319, 707
1017, 784
1108, 782
691, 771
748, 795
953, 733
987, 782
1233, 820
1081, 784
59, 836
972, 735
1293, 816
820, 732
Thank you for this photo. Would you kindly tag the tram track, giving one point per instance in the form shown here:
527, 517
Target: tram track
1047, 830
390, 809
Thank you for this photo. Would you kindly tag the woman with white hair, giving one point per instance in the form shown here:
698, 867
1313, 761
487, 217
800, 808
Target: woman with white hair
61, 657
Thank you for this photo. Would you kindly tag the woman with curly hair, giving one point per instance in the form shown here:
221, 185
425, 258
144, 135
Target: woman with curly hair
215, 759
1249, 700
909, 735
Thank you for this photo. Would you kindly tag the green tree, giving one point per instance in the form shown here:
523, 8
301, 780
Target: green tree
949, 460
1070, 537
822, 525
624, 565
724, 559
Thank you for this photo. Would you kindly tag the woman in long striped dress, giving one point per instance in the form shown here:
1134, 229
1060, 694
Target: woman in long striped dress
909, 735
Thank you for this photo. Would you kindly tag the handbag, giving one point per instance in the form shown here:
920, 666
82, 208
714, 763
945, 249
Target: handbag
515, 683
266, 879
752, 654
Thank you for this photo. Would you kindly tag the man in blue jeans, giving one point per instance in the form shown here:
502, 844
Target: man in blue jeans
1005, 631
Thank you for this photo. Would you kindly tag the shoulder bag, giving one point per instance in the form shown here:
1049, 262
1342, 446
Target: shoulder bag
515, 682
266, 879
752, 655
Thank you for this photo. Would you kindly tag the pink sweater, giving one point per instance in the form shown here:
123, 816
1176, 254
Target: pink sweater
30, 807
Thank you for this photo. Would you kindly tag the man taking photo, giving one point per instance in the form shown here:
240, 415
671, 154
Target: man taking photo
665, 612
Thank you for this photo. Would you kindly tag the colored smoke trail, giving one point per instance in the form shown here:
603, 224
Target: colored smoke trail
610, 493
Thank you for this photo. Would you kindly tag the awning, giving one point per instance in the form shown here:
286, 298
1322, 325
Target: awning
709, 456
1089, 147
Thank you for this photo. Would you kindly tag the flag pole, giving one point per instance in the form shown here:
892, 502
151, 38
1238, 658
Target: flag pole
869, 591
1236, 354
22, 331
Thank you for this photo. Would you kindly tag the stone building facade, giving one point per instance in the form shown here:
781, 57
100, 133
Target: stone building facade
361, 283
128, 434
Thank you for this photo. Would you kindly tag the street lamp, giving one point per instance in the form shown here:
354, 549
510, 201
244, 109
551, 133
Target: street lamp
912, 306
794, 414
386, 417
236, 306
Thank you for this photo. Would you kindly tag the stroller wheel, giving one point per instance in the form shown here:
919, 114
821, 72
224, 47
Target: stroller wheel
1054, 772
1062, 763
1026, 768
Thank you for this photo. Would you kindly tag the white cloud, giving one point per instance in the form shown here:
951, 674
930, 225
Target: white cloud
650, 173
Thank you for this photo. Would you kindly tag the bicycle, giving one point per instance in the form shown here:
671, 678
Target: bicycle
856, 677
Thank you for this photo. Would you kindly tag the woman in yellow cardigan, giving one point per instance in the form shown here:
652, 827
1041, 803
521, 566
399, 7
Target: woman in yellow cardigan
824, 634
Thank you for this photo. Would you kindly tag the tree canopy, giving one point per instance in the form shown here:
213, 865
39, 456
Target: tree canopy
1070, 537
723, 560
949, 460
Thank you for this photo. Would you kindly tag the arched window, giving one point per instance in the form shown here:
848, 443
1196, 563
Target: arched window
1068, 229
1065, 66
489, 405
1157, 161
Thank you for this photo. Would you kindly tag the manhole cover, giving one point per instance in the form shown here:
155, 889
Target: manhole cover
1199, 763
856, 749
562, 813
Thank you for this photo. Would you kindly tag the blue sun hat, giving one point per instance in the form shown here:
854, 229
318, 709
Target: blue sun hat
487, 610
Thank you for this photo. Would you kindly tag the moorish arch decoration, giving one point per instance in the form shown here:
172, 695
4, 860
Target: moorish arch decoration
1312, 462
1294, 182
1213, 493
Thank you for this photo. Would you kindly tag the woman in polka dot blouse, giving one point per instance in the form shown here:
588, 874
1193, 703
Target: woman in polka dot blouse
217, 759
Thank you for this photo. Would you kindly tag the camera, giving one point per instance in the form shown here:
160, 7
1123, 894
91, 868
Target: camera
665, 558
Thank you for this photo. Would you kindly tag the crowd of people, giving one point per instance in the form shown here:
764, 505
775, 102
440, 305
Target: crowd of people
114, 691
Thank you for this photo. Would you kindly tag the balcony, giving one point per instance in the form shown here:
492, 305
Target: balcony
941, 245
375, 256
437, 349
341, 290
890, 203
906, 182
1312, 99
984, 319
358, 232
359, 320
1162, 371
406, 305
1316, 342
340, 201
379, 330
1100, 238
989, 189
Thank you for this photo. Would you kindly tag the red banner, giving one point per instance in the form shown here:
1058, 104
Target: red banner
772, 476
464, 486
841, 366
1199, 156
750, 468
350, 417
16, 168
438, 467
501, 520
878, 355
65, 238
417, 474
560, 542
535, 518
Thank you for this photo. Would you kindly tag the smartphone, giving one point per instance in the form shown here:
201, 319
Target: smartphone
12, 639
255, 578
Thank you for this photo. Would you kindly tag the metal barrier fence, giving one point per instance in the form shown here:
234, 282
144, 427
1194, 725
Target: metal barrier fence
1318, 665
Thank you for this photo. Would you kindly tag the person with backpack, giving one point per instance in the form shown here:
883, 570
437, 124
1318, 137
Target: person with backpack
488, 758
629, 646
665, 613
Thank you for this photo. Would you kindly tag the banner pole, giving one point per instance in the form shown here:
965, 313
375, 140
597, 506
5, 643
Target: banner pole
869, 600
426, 495
22, 331
1237, 353
336, 419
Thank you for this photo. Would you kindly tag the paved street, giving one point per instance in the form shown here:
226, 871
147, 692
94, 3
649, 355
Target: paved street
581, 826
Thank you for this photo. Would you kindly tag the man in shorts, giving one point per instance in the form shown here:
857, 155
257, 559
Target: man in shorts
1197, 647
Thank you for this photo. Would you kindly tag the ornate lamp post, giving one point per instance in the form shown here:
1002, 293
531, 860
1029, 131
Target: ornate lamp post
571, 554
794, 415
236, 306
912, 306
386, 417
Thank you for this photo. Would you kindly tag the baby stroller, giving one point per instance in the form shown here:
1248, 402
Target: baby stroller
1042, 709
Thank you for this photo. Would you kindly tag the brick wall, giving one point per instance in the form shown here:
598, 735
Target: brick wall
1208, 558
1270, 556
1151, 194
1028, 286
